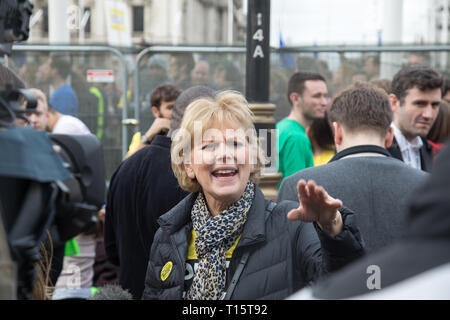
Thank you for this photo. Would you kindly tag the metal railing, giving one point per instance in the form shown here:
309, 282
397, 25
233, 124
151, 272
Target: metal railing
128, 121
280, 51
171, 49
206, 49
90, 49
356, 48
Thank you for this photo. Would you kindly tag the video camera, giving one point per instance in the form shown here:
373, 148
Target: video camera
41, 191
14, 22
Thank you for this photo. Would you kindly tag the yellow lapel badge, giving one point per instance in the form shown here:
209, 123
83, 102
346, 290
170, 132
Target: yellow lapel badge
165, 272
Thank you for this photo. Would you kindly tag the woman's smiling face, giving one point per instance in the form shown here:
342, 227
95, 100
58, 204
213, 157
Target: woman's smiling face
220, 161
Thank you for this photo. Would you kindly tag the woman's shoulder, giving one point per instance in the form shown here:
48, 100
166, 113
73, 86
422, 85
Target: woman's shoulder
277, 222
278, 210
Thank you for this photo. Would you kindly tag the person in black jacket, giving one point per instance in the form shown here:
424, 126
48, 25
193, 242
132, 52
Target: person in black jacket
143, 188
225, 240
415, 99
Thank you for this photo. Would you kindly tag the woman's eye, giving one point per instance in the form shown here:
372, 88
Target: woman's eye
209, 146
234, 144
237, 144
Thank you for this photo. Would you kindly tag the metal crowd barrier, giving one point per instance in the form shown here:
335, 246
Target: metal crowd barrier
90, 49
135, 119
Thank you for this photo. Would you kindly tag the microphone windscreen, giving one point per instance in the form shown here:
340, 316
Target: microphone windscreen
112, 292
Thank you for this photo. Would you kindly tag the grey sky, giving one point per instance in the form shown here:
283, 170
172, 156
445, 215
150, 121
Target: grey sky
327, 22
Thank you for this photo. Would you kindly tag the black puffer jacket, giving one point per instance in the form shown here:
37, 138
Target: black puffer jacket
284, 255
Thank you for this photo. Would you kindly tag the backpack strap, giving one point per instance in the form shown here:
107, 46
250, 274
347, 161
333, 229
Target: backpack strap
227, 295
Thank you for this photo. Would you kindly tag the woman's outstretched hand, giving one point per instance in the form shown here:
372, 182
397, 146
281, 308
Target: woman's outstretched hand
316, 205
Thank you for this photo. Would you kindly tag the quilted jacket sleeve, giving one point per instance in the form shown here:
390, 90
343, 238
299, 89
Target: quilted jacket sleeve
316, 253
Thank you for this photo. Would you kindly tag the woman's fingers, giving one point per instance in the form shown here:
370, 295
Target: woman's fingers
295, 214
337, 203
314, 201
329, 200
309, 192
321, 196
302, 190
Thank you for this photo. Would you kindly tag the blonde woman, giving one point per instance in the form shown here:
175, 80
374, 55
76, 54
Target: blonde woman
225, 240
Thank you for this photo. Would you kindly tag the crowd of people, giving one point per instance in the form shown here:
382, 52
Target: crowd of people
363, 181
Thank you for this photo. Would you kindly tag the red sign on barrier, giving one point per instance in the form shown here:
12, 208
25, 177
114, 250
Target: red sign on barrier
100, 75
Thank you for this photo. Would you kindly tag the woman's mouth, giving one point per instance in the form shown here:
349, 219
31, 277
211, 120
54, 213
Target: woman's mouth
224, 173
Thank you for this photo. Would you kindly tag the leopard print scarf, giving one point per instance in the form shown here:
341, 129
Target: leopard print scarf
215, 235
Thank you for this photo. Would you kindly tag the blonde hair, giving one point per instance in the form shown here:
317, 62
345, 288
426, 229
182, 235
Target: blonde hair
226, 107
40, 96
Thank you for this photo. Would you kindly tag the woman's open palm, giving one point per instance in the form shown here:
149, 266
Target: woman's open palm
315, 204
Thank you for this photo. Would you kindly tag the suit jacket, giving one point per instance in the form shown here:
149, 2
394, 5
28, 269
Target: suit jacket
426, 154
376, 188
425, 247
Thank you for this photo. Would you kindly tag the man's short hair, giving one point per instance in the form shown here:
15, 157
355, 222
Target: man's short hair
40, 96
445, 86
164, 92
422, 77
297, 82
62, 65
361, 107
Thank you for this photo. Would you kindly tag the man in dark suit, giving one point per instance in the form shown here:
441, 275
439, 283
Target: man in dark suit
363, 174
415, 267
415, 101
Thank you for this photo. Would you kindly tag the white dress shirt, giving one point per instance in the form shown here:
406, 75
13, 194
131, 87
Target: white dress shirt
410, 149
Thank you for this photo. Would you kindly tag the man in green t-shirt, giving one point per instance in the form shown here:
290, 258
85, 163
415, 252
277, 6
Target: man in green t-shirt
307, 94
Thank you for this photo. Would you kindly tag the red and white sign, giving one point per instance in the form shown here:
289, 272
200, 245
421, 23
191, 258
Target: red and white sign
100, 75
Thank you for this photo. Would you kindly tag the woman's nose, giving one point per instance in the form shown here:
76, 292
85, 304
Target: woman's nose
224, 153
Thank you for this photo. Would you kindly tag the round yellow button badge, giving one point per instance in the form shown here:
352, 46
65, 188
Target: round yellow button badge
165, 272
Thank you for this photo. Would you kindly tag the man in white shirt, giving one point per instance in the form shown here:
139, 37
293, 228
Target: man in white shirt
64, 124
410, 150
415, 99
